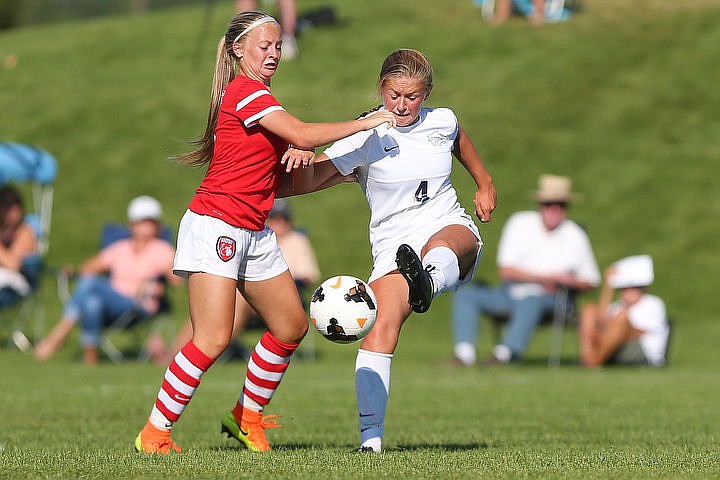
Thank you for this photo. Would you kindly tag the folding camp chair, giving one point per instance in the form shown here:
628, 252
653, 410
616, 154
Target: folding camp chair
134, 321
26, 164
563, 313
555, 10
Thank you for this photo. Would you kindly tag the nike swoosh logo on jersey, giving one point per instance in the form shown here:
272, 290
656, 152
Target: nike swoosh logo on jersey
387, 149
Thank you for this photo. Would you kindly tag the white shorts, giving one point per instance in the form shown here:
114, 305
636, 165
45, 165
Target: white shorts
207, 244
384, 260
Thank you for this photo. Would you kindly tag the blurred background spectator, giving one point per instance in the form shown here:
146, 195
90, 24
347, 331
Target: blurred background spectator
634, 329
539, 253
503, 9
137, 270
18, 243
536, 11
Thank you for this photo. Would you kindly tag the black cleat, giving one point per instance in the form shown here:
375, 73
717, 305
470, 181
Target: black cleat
418, 279
366, 450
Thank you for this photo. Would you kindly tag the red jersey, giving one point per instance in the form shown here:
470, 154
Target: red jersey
240, 184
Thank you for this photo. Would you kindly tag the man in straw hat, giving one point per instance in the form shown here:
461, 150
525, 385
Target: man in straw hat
540, 252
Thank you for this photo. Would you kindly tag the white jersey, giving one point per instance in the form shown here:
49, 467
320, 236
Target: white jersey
404, 173
650, 316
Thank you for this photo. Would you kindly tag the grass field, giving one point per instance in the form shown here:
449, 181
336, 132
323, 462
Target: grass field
623, 98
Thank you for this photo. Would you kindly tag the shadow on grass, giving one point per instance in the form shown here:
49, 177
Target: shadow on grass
448, 447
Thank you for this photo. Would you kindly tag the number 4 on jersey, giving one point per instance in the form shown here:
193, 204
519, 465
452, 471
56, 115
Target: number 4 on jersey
421, 194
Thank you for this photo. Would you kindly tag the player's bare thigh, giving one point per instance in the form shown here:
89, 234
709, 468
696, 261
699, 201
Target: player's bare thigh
391, 292
212, 307
277, 302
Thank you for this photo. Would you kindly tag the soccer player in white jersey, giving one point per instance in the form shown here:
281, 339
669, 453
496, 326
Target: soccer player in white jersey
423, 242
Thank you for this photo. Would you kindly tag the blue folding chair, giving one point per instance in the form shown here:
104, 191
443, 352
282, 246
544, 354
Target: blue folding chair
29, 165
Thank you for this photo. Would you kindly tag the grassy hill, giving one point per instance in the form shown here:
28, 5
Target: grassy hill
623, 98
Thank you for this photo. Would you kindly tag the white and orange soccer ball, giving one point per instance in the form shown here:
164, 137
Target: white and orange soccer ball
343, 309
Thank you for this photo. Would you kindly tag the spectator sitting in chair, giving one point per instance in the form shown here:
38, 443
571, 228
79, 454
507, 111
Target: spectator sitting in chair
137, 268
539, 253
503, 10
17, 243
634, 329
299, 255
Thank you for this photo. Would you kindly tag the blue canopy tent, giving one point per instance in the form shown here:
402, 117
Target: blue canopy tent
27, 164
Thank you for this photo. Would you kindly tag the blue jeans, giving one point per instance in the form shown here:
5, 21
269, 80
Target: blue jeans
94, 304
474, 299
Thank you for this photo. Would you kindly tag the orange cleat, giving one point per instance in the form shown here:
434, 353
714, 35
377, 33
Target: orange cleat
154, 440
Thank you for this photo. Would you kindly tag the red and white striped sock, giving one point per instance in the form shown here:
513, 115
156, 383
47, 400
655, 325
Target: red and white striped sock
181, 380
266, 368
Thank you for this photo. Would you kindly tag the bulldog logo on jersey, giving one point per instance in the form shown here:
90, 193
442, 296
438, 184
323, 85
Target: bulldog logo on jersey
437, 139
225, 248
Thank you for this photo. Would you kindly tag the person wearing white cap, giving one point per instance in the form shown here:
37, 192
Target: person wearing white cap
539, 252
634, 329
144, 208
121, 277
133, 266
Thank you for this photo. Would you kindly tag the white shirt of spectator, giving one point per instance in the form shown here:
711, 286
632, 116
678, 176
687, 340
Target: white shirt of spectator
649, 315
525, 244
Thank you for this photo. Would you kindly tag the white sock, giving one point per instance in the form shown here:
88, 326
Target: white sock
372, 386
446, 274
158, 420
502, 353
465, 352
249, 403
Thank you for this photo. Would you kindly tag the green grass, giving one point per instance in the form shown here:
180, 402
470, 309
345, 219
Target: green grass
623, 98
72, 422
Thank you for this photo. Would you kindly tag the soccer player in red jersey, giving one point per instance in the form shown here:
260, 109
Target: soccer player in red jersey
223, 243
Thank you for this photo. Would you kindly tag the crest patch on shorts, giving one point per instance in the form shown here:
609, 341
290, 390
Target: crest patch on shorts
225, 248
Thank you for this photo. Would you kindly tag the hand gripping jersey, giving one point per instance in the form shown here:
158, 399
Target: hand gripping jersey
404, 172
240, 184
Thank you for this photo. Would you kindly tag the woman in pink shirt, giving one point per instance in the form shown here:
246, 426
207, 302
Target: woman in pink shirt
137, 269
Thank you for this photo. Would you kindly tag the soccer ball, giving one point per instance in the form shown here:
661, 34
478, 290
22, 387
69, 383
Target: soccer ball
343, 309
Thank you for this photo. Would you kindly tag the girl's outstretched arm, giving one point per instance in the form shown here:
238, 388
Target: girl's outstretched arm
319, 175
